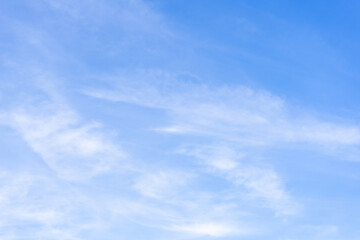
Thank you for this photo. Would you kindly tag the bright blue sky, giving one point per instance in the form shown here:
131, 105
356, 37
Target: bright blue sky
179, 120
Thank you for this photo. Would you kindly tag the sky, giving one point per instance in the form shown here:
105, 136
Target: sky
158, 120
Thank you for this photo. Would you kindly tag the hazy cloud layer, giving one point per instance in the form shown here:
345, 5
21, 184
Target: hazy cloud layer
106, 136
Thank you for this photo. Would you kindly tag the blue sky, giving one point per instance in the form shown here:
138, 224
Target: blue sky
178, 120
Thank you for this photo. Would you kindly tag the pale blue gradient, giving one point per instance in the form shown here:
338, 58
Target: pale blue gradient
178, 119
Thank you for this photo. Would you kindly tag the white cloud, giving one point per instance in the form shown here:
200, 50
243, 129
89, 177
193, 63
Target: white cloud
162, 184
76, 149
267, 185
233, 113
133, 17
218, 157
195, 218
235, 116
210, 229
261, 183
72, 149
38, 203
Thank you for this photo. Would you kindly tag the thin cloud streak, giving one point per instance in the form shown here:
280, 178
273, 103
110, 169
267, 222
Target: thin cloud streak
203, 174
233, 113
72, 149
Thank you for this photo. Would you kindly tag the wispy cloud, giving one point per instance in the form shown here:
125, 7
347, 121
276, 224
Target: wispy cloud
161, 184
72, 149
263, 183
234, 113
195, 217
41, 207
233, 116
211, 229
202, 171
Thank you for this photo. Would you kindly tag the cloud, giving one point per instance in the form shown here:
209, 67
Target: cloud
194, 218
74, 150
210, 229
234, 113
213, 182
238, 116
241, 121
161, 185
266, 184
262, 183
36, 207
136, 18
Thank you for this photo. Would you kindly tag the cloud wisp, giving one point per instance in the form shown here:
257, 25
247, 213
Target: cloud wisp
72, 149
169, 156
232, 113
244, 121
